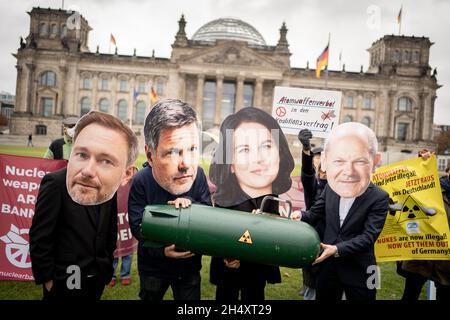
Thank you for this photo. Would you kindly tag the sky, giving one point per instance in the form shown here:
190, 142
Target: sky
151, 25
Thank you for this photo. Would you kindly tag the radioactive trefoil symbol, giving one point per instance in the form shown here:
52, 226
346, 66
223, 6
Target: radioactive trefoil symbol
17, 248
411, 210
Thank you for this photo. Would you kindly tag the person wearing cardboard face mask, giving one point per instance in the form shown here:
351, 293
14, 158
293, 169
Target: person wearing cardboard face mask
173, 176
251, 161
61, 148
74, 229
353, 211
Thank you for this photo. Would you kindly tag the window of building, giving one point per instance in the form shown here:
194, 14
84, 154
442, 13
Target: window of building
248, 95
86, 83
396, 56
141, 87
349, 102
416, 56
41, 130
63, 31
48, 78
209, 104
228, 99
347, 118
54, 30
139, 114
104, 105
404, 104
85, 106
122, 110
104, 84
160, 89
367, 103
47, 107
366, 121
442, 164
123, 85
402, 131
43, 29
406, 56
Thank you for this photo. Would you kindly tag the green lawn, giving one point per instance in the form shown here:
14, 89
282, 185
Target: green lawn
391, 286
391, 283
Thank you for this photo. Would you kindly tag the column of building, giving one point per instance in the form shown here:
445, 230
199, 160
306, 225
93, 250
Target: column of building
32, 103
113, 88
182, 86
61, 90
94, 101
239, 93
219, 88
391, 111
132, 100
21, 88
199, 100
258, 92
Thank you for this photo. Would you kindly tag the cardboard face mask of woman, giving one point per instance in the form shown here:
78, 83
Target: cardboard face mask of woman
252, 158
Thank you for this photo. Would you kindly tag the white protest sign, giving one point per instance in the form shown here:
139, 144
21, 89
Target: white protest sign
316, 110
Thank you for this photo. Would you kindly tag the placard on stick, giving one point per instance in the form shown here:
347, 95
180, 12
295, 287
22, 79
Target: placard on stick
297, 108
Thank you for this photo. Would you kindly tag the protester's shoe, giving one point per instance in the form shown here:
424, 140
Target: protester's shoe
112, 283
302, 291
125, 282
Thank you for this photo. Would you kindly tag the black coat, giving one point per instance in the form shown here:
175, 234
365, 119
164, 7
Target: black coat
248, 272
356, 237
145, 190
313, 187
65, 233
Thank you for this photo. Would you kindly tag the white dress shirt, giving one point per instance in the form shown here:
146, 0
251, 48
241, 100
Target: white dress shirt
344, 207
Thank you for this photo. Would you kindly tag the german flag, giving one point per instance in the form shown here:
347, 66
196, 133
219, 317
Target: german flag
153, 96
399, 16
113, 40
322, 61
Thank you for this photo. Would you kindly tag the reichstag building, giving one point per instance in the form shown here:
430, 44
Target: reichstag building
226, 65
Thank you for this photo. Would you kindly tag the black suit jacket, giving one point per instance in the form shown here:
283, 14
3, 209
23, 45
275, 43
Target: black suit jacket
64, 233
356, 237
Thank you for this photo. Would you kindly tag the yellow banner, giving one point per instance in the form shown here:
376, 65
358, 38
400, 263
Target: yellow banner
418, 228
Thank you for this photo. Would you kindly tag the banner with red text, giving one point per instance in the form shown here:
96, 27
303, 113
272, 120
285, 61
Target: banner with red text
416, 228
19, 186
126, 243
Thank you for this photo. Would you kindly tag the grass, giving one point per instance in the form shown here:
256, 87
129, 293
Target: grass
391, 283
391, 286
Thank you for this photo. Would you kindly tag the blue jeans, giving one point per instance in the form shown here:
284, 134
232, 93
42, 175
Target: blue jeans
125, 268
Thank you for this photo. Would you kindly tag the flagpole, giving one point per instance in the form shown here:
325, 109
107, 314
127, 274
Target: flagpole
109, 48
400, 20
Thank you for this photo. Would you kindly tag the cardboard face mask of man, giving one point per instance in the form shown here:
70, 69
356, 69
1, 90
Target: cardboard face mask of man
350, 158
97, 165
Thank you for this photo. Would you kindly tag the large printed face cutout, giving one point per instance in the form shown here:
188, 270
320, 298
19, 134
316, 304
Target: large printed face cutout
97, 165
256, 159
349, 165
175, 160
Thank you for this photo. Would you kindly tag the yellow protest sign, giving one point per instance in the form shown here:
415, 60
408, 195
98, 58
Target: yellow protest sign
416, 228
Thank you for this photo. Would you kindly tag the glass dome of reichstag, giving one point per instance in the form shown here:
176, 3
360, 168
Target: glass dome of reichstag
229, 29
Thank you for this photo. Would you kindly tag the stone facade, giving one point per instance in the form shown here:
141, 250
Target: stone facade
58, 76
